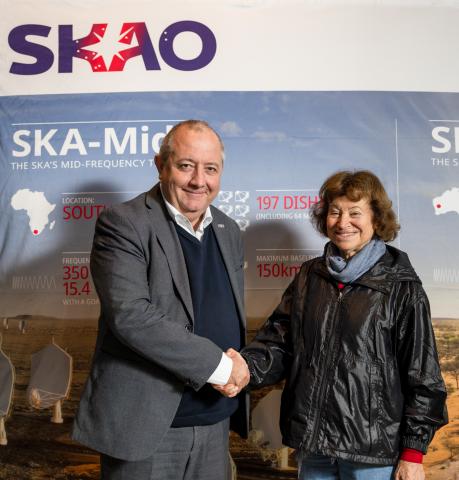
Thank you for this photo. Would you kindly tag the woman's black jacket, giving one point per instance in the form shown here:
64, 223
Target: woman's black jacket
361, 367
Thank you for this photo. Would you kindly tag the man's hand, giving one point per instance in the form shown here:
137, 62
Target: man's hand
409, 471
239, 377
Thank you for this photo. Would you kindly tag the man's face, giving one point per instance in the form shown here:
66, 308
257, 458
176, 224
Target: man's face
190, 178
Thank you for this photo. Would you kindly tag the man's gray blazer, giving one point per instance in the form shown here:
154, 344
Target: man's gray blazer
146, 352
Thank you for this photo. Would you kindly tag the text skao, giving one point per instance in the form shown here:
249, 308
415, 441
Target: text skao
134, 40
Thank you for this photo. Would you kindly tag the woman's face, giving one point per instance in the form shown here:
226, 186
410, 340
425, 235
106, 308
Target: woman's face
350, 225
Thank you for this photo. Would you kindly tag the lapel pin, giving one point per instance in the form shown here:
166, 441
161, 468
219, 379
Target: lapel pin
220, 225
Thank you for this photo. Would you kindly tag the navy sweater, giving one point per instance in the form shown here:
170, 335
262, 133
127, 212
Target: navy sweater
215, 317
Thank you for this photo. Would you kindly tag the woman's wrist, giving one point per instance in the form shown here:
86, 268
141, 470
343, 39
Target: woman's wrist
411, 455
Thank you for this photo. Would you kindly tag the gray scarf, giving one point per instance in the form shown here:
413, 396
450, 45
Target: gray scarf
348, 271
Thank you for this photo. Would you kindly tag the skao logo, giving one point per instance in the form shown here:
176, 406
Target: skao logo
108, 49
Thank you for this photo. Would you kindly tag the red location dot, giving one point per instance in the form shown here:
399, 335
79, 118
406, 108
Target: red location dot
438, 205
35, 232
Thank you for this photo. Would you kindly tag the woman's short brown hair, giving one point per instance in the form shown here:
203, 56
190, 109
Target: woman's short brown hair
355, 186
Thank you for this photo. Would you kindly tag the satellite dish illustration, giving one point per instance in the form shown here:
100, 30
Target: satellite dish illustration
6, 391
50, 379
22, 322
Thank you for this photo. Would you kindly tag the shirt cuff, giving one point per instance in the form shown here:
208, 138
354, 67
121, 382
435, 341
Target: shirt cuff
222, 373
411, 455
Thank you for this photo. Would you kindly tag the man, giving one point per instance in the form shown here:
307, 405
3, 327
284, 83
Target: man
168, 269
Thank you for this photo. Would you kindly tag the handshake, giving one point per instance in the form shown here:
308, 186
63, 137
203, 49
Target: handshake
239, 377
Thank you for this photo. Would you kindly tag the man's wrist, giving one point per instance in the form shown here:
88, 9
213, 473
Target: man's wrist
222, 373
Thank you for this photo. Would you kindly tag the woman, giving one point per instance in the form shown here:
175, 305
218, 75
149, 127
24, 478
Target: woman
353, 338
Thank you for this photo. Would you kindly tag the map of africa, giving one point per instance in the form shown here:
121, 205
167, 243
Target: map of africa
37, 208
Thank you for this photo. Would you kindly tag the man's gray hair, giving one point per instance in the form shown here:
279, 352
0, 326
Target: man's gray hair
167, 146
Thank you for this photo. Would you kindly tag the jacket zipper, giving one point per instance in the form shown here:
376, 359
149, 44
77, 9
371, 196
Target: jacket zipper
325, 381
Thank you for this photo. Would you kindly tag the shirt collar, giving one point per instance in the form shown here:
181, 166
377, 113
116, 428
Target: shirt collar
182, 221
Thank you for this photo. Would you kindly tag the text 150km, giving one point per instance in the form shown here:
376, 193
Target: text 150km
277, 270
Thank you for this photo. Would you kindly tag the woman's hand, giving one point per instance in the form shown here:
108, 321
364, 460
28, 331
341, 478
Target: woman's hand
409, 471
239, 377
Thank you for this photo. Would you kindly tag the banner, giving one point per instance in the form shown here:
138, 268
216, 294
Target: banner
59, 174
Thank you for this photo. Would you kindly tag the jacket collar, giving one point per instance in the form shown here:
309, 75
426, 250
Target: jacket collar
221, 228
167, 237
394, 266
